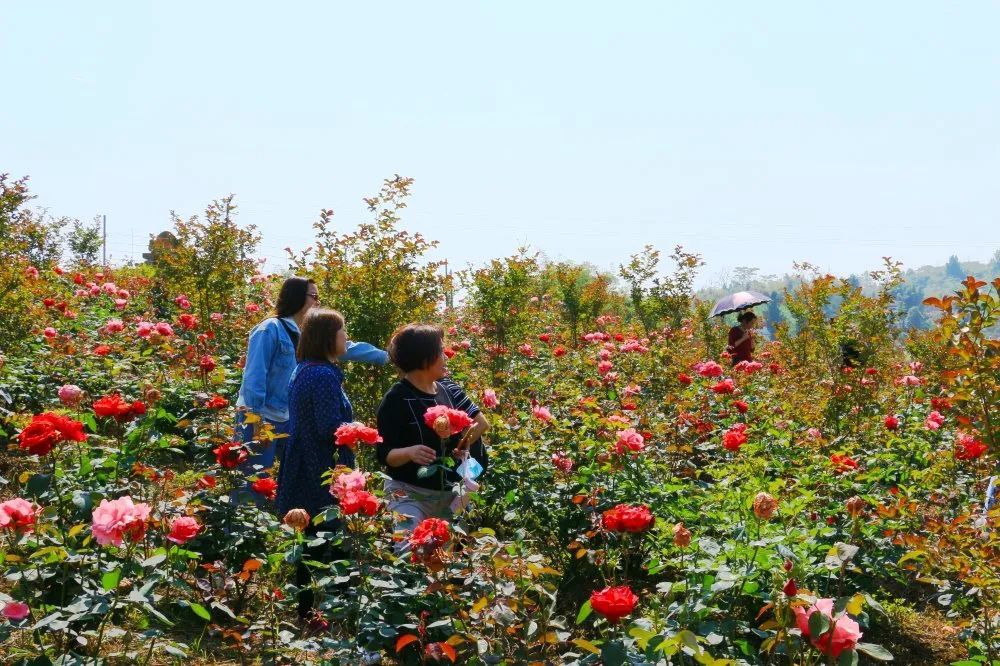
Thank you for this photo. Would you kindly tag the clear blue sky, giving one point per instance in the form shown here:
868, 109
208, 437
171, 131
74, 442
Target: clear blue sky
755, 133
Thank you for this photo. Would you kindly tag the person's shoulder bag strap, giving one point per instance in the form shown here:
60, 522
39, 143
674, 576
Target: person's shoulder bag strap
293, 335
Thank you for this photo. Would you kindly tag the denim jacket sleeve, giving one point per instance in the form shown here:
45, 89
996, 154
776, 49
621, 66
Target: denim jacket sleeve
365, 353
260, 352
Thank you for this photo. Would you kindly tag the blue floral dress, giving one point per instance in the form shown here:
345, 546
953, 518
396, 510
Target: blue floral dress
317, 406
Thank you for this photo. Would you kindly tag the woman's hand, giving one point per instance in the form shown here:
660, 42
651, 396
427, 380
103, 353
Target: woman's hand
479, 426
421, 455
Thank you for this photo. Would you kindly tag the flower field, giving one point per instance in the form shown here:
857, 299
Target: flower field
647, 502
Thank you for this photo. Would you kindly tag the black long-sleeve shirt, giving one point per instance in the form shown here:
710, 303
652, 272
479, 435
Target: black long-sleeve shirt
401, 424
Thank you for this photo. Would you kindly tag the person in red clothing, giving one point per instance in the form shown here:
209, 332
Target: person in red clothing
741, 337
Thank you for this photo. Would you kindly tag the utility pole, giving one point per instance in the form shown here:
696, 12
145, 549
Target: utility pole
105, 252
448, 300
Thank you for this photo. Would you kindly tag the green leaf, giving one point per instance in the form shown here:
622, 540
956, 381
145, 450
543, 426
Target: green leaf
88, 420
848, 658
613, 653
584, 613
154, 560
874, 651
819, 624
690, 640
426, 471
109, 581
201, 611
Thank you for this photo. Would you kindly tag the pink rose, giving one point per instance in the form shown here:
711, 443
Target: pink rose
50, 332
934, 420
844, 635
709, 369
144, 329
216, 317
16, 611
541, 413
629, 440
113, 520
70, 395
183, 529
490, 399
351, 482
164, 329
17, 514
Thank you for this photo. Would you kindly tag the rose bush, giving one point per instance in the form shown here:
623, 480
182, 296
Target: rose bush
646, 502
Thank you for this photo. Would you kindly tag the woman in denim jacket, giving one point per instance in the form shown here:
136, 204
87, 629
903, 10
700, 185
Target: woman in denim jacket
269, 364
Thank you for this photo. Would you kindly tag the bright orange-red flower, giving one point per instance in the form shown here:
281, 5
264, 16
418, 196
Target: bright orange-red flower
614, 603
122, 410
267, 487
626, 518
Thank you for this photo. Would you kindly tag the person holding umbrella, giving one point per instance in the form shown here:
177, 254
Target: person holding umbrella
741, 337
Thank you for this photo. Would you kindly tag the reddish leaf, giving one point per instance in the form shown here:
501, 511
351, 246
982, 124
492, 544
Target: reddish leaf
404, 641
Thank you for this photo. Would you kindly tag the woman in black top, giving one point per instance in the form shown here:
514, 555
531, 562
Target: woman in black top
408, 443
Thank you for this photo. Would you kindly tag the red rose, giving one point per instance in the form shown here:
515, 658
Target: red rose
684, 379
625, 518
207, 363
428, 537
891, 422
48, 429
968, 447
614, 603
735, 437
122, 410
230, 454
350, 434
559, 351
216, 402
359, 501
267, 487
843, 463
724, 387
741, 406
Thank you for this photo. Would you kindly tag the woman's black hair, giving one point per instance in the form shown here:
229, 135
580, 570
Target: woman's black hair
292, 296
416, 346
746, 315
